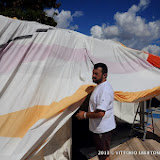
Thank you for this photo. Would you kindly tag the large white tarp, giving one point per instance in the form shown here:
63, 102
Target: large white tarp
45, 74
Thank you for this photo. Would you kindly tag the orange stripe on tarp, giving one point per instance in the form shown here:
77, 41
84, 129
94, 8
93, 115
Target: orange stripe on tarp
123, 45
17, 124
137, 96
153, 59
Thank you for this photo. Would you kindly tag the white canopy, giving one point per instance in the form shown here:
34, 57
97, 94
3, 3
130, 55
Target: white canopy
45, 75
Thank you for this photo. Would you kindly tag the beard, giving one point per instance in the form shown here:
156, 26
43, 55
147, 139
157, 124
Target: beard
97, 81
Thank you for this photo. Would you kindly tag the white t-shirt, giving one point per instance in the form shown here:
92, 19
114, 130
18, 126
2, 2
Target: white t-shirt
102, 98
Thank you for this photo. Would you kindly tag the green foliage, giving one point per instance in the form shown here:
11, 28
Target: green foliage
31, 10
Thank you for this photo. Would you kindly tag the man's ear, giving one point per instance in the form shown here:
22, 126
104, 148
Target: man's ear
105, 75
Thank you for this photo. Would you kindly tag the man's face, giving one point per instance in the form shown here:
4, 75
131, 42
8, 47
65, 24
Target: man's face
97, 76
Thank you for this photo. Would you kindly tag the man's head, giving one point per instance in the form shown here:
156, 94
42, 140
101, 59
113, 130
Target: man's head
99, 73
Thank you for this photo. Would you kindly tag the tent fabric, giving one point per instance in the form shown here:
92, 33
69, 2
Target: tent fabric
134, 96
154, 60
125, 112
45, 75
62, 139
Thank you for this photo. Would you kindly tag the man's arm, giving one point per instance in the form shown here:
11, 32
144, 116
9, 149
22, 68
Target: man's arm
96, 114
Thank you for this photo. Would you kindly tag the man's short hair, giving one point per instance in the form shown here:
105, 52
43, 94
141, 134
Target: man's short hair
103, 66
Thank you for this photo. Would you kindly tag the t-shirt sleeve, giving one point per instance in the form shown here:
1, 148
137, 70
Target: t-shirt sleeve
104, 99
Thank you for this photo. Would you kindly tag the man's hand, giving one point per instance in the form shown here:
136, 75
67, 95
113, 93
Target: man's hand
96, 114
80, 115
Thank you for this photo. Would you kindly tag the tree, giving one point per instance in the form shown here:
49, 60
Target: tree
32, 10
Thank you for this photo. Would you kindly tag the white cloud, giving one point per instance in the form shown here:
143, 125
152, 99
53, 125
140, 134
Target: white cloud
64, 18
97, 31
130, 29
143, 4
152, 49
77, 14
111, 31
75, 27
50, 12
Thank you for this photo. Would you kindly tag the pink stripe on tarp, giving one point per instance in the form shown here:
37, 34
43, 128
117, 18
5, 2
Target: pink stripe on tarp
125, 67
40, 52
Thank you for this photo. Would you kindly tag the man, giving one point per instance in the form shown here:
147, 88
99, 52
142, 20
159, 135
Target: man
100, 112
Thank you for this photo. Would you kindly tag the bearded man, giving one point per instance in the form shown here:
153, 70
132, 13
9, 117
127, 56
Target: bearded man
100, 111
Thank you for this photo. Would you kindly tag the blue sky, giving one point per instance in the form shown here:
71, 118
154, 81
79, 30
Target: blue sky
135, 23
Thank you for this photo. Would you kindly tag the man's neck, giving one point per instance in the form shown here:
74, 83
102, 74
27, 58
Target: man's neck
102, 81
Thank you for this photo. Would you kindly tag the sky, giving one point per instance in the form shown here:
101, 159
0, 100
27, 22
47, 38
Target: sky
134, 23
